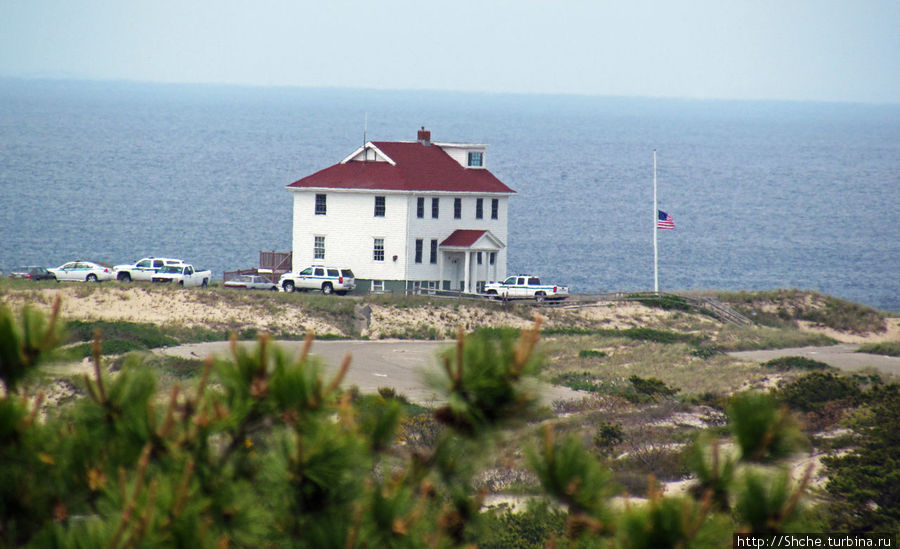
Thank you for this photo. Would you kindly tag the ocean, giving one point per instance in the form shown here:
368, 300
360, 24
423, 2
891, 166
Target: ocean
764, 195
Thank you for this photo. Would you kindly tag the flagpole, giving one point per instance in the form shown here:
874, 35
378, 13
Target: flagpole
655, 246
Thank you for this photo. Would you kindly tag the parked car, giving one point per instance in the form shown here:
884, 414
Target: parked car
143, 269
87, 271
251, 282
317, 277
183, 275
32, 273
526, 287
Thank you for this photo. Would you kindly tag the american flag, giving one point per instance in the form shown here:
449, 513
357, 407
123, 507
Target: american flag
664, 220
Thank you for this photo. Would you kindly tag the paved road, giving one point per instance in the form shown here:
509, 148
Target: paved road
402, 365
843, 356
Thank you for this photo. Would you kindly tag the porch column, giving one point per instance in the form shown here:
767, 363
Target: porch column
468, 266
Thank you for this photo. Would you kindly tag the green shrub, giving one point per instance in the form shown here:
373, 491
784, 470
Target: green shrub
142, 335
888, 348
706, 351
591, 353
652, 387
529, 529
664, 302
785, 363
811, 392
585, 381
608, 436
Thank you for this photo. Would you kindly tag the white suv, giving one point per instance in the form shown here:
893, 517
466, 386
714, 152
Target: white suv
317, 277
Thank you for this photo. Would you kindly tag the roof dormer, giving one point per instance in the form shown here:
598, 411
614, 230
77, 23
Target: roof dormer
469, 155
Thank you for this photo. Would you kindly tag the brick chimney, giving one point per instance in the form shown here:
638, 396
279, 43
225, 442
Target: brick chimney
424, 136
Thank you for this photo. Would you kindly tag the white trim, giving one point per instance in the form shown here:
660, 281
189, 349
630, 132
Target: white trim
460, 145
378, 153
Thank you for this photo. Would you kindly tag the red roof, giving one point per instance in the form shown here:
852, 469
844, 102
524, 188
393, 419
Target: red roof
418, 168
463, 238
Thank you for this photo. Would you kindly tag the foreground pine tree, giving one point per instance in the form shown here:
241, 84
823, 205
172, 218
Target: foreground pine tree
268, 452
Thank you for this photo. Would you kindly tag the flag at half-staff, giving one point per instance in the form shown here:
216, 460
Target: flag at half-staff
661, 220
664, 220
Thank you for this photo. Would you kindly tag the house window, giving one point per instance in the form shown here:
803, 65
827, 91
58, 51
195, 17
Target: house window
479, 257
495, 208
435, 207
476, 159
492, 257
479, 208
433, 251
320, 204
378, 286
420, 207
379, 206
378, 250
319, 247
457, 208
418, 250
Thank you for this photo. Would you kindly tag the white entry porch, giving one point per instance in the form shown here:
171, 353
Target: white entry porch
469, 259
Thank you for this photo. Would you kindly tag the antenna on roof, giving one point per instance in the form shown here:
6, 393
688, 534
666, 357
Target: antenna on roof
365, 140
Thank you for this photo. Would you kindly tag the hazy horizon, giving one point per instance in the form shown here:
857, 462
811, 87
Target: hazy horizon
358, 89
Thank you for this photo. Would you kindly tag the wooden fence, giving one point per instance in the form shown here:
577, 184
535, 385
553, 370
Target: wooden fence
271, 266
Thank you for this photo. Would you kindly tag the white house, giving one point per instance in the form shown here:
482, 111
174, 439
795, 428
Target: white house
405, 215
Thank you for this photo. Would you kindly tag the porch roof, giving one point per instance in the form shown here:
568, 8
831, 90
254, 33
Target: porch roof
472, 239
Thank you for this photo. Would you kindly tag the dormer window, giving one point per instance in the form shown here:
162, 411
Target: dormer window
476, 159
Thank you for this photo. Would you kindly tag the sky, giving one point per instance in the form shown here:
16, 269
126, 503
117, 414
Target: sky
796, 50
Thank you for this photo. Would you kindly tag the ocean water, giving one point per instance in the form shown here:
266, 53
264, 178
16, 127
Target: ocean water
764, 194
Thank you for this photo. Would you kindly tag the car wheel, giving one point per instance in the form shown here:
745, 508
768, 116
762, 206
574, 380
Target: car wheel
539, 297
205, 283
124, 277
289, 286
181, 283
91, 278
327, 288
274, 288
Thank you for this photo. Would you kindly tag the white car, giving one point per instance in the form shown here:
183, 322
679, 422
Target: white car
251, 282
85, 271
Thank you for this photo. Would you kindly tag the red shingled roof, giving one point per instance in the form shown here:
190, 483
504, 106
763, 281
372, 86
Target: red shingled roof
463, 238
418, 168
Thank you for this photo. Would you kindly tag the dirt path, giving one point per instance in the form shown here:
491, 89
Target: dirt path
402, 365
843, 356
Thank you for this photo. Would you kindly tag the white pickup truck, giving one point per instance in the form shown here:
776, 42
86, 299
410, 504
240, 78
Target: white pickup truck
525, 287
183, 275
143, 269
